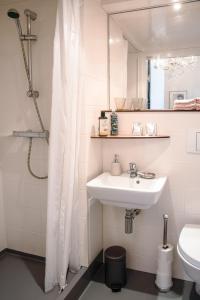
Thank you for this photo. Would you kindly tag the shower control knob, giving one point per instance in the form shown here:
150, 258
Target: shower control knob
32, 94
29, 93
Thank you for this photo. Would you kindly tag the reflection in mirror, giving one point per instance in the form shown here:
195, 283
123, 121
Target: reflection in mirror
171, 79
155, 58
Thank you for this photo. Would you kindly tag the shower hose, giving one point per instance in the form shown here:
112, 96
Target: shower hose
33, 95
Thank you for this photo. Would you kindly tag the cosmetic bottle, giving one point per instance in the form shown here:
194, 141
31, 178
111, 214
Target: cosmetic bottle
103, 124
114, 123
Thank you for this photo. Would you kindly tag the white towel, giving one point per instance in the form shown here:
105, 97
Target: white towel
186, 101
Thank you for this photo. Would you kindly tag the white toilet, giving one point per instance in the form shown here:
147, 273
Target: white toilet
189, 251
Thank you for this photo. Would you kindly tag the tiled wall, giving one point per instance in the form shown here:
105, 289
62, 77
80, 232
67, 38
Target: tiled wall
25, 197
180, 199
95, 96
3, 241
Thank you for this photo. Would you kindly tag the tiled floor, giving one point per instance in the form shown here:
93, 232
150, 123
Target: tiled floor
22, 279
98, 291
140, 286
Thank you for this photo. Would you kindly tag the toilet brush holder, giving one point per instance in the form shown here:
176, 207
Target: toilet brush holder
164, 270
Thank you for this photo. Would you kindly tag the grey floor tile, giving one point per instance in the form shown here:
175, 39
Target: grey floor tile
98, 291
22, 279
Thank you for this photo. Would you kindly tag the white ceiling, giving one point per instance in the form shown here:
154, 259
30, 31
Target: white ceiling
111, 1
162, 29
111, 6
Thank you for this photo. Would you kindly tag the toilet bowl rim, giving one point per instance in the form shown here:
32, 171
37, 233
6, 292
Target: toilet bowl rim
184, 259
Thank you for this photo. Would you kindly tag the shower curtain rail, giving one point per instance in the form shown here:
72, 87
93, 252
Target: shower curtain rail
32, 134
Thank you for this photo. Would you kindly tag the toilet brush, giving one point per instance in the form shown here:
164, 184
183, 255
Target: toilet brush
165, 259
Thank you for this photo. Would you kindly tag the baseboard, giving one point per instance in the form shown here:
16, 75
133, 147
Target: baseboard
22, 255
2, 252
140, 281
83, 282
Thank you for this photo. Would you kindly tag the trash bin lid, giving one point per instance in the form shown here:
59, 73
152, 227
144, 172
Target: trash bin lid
115, 253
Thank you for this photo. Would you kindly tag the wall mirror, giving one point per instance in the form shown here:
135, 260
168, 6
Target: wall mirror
154, 56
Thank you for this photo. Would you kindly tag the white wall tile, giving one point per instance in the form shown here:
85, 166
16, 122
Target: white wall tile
95, 228
84, 242
180, 197
192, 201
95, 98
3, 235
95, 40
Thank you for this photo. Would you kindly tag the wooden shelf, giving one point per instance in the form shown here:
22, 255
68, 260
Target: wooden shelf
151, 110
114, 137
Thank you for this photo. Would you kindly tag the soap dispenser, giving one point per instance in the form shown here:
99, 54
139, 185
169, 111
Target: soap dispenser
116, 167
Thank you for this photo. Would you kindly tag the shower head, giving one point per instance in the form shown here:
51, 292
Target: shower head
13, 13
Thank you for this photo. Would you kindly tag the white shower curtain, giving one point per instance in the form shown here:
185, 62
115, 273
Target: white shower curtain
62, 244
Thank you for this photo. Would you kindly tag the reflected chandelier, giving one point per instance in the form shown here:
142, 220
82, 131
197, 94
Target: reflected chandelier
174, 63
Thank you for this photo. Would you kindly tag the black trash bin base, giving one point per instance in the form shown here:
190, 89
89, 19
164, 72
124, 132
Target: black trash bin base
115, 268
116, 290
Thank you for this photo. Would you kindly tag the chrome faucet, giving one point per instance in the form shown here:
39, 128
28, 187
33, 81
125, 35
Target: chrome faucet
133, 170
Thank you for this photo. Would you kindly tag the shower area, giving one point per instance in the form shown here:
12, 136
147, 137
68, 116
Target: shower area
28, 38
27, 30
26, 59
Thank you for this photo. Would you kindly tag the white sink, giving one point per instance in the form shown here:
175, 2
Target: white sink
123, 191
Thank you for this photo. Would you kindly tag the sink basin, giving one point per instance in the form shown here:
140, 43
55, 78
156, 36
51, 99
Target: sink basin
123, 191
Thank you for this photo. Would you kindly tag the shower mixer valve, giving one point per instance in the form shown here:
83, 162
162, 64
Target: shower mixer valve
28, 37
